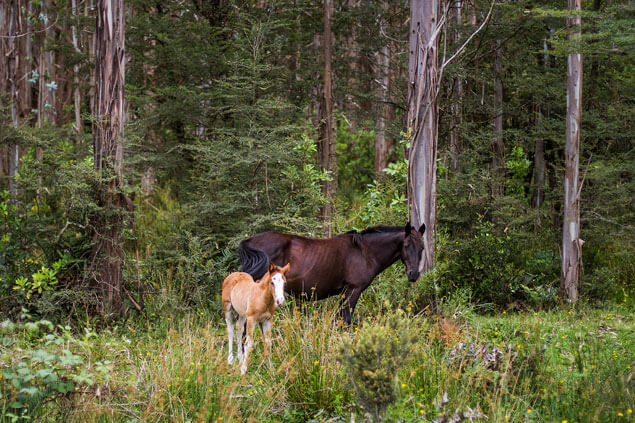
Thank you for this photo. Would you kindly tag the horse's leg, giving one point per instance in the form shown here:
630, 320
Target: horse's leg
240, 326
248, 344
348, 303
230, 333
265, 327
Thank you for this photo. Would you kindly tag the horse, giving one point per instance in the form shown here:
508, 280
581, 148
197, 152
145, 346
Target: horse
254, 302
343, 265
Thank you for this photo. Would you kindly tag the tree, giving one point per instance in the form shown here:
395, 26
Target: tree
327, 146
498, 146
456, 107
571, 242
107, 253
12, 64
423, 121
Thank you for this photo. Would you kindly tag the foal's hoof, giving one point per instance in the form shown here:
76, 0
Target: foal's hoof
230, 359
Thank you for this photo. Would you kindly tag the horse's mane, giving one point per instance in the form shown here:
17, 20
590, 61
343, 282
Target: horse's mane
378, 229
357, 236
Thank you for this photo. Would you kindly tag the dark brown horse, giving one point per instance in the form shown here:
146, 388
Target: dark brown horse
345, 264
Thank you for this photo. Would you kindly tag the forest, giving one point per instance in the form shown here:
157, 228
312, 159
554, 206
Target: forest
142, 140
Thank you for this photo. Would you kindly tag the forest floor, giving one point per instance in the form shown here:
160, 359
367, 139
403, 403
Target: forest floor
563, 365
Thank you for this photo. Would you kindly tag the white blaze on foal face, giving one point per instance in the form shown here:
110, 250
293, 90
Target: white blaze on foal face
278, 288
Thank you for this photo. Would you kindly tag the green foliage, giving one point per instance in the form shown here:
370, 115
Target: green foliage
46, 370
355, 155
496, 267
43, 230
517, 172
373, 359
43, 280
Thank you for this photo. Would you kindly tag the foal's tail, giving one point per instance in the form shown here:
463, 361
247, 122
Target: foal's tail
252, 260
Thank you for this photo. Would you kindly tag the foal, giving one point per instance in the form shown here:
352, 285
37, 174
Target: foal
255, 302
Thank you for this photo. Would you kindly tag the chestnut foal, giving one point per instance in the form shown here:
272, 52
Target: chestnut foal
255, 302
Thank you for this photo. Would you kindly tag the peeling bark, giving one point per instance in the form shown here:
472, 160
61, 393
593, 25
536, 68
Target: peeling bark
77, 99
423, 121
571, 241
107, 254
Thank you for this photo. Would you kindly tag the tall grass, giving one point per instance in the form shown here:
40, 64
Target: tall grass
573, 365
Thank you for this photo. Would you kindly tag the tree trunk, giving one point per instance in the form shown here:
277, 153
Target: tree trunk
456, 107
77, 99
383, 143
498, 157
327, 150
27, 103
11, 55
538, 195
571, 242
423, 121
540, 165
107, 254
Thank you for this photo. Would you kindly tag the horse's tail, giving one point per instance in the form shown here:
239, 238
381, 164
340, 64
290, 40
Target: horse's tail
252, 260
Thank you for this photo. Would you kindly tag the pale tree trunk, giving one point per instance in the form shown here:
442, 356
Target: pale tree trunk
571, 241
77, 99
327, 147
456, 107
107, 254
383, 143
498, 146
27, 66
423, 121
46, 97
11, 55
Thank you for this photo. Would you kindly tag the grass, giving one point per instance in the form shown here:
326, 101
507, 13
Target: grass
565, 365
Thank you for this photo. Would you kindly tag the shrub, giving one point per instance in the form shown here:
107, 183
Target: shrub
373, 358
48, 371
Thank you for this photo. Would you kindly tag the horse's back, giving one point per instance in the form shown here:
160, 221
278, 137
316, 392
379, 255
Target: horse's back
318, 266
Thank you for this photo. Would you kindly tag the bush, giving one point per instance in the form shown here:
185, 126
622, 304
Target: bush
373, 358
36, 376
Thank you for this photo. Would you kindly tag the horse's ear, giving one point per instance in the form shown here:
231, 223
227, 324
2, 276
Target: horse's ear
422, 228
408, 228
285, 269
272, 268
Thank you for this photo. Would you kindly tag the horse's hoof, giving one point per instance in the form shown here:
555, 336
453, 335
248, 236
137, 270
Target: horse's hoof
230, 359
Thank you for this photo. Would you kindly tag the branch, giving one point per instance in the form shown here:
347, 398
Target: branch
460, 49
24, 34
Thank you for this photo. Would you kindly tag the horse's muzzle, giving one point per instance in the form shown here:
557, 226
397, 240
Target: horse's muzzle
413, 276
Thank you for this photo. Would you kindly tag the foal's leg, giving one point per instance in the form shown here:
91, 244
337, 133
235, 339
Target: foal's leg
240, 327
265, 327
230, 333
249, 343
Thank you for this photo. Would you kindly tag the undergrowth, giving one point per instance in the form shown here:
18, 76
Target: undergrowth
567, 365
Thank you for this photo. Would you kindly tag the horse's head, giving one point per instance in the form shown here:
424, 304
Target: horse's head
278, 280
411, 250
